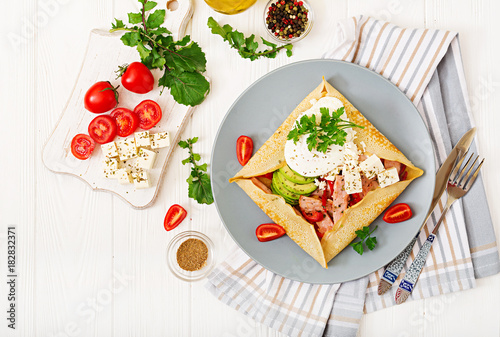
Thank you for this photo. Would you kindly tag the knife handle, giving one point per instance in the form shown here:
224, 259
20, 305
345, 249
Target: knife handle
394, 268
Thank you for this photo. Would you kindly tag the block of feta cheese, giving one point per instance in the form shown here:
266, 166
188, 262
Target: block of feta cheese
146, 159
141, 179
352, 181
109, 150
124, 176
142, 139
372, 166
126, 148
110, 166
351, 155
159, 140
388, 177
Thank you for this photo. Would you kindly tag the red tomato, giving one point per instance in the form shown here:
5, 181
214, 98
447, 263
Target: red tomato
267, 175
355, 198
82, 146
126, 121
137, 78
314, 217
319, 234
101, 97
149, 113
269, 231
174, 217
102, 129
398, 213
244, 149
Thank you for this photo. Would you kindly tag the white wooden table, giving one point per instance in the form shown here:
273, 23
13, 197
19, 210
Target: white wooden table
89, 265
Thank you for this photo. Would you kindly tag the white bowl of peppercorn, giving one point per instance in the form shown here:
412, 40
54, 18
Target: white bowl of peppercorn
288, 21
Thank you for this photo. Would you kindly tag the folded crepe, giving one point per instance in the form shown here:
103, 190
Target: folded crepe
271, 157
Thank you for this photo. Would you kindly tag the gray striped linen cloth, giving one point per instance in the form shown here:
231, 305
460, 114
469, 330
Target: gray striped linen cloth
427, 66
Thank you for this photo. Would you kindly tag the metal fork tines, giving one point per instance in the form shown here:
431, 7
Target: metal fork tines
461, 180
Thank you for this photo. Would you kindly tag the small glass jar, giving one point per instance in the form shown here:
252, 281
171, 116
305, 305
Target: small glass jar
310, 17
230, 6
174, 267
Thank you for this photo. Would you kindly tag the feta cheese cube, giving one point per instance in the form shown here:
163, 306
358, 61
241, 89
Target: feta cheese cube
159, 140
124, 176
142, 139
109, 150
352, 182
126, 148
146, 159
372, 166
110, 166
351, 155
141, 179
388, 177
321, 184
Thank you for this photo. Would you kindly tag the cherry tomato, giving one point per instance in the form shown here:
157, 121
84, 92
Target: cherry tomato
136, 77
267, 175
82, 146
175, 215
244, 149
149, 113
101, 97
269, 231
398, 213
102, 129
126, 121
355, 198
314, 217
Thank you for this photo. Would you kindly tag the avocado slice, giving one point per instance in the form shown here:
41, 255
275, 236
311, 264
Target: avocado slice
278, 187
296, 188
288, 201
294, 176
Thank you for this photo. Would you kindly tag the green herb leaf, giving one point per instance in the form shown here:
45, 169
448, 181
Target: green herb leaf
117, 24
156, 18
186, 88
371, 242
189, 58
134, 18
199, 186
246, 47
131, 39
149, 5
364, 235
358, 247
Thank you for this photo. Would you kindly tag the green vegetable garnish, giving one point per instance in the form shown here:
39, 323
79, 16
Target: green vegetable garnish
199, 181
329, 131
246, 47
365, 235
183, 60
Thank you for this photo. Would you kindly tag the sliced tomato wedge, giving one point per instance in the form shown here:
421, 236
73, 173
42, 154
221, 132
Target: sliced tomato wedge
126, 121
269, 231
314, 217
354, 199
398, 213
102, 129
175, 215
82, 146
244, 149
267, 175
149, 113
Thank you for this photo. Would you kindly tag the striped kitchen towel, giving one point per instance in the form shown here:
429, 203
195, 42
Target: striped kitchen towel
426, 65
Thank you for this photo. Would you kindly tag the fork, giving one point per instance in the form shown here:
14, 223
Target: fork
459, 184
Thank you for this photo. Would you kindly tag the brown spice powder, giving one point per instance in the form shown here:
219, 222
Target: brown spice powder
192, 255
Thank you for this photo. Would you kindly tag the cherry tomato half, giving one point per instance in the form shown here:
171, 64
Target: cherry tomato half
355, 198
149, 113
102, 129
126, 121
269, 231
244, 149
175, 215
137, 78
82, 146
267, 175
101, 97
398, 213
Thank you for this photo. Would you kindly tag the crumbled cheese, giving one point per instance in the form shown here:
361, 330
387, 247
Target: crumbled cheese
321, 184
352, 182
388, 177
372, 166
126, 148
159, 140
142, 139
332, 174
141, 179
109, 150
124, 176
363, 145
110, 166
146, 159
351, 155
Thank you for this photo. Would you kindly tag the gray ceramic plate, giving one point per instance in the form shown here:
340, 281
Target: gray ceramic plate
261, 109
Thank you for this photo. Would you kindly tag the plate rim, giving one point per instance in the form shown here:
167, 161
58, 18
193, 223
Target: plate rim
256, 82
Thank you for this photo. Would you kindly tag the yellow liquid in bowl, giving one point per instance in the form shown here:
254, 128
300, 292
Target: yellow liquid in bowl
230, 6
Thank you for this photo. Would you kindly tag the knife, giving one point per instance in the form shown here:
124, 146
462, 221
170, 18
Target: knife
395, 266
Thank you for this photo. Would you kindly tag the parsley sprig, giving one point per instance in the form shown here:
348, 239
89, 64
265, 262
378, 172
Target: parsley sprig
365, 236
330, 129
183, 60
246, 47
198, 181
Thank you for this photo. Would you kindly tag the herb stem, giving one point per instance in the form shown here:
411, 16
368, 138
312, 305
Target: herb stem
143, 12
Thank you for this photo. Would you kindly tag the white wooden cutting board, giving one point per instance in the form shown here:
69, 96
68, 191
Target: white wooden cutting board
105, 52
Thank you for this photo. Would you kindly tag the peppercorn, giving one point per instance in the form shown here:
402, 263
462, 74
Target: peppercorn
287, 19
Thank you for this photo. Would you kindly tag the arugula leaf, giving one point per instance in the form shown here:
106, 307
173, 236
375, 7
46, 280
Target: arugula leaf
246, 47
199, 186
182, 61
329, 130
364, 235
